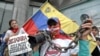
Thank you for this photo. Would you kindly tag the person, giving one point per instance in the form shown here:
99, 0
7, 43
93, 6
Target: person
97, 49
12, 31
59, 39
84, 42
3, 45
95, 32
91, 41
0, 39
62, 41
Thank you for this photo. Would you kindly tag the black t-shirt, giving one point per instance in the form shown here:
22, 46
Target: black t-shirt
96, 52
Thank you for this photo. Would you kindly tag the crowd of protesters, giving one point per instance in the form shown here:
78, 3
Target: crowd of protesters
59, 39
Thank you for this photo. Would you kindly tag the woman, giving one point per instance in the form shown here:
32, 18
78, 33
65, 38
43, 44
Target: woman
13, 30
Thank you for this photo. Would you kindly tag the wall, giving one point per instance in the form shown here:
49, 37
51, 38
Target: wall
91, 8
6, 10
6, 13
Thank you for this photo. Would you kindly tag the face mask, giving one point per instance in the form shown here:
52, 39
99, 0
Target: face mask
55, 30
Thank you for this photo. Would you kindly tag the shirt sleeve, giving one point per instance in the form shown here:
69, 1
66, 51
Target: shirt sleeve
84, 48
6, 36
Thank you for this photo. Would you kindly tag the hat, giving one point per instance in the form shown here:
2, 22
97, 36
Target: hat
53, 21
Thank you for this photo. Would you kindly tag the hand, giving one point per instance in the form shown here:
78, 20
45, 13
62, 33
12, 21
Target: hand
88, 27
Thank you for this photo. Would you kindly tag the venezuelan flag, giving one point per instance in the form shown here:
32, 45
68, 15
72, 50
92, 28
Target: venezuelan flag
39, 20
92, 43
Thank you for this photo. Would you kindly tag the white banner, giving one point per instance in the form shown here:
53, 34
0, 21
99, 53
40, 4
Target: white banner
18, 44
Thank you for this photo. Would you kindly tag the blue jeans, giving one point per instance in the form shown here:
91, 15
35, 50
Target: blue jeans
2, 48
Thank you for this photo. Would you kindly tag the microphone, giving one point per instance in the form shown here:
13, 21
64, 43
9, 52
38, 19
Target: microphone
84, 19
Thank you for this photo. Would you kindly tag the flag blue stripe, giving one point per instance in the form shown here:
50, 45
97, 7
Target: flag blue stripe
40, 20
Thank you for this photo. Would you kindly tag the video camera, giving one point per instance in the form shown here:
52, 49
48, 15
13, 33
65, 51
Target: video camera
40, 37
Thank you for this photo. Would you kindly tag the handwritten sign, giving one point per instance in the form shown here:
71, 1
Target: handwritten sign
18, 44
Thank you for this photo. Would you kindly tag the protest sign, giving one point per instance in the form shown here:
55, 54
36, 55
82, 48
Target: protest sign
18, 44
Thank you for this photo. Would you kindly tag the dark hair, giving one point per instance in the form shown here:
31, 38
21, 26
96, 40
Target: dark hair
11, 22
52, 21
96, 28
84, 17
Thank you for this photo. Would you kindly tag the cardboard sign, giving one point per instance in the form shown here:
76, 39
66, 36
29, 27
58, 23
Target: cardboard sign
18, 45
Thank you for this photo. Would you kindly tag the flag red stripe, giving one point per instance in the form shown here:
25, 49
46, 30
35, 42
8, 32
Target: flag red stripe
30, 27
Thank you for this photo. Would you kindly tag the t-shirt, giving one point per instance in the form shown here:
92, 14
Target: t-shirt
48, 51
84, 48
9, 33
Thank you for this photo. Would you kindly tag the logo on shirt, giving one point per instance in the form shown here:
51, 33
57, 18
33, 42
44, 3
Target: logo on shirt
53, 53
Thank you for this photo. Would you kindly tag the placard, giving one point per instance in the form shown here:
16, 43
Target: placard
18, 44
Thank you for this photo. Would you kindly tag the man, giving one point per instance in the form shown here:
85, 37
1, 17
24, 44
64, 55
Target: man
60, 40
95, 32
84, 42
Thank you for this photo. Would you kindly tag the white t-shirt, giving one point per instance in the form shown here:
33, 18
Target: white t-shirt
9, 33
53, 52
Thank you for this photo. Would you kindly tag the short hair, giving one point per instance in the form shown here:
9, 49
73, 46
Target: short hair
52, 21
96, 28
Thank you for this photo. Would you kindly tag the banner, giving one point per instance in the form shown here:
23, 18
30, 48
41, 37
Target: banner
39, 20
18, 44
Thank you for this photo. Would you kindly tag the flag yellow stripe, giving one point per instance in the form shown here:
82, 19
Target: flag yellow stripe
92, 44
67, 25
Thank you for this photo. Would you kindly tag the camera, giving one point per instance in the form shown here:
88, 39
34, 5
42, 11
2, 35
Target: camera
40, 37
